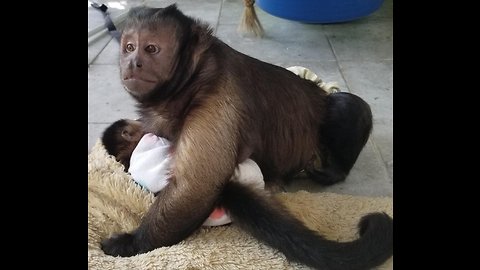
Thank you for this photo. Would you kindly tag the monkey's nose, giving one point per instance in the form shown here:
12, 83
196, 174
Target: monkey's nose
138, 65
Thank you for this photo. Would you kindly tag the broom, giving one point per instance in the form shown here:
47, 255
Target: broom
249, 23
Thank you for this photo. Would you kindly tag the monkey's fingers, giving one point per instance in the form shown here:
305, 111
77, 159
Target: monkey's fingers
119, 245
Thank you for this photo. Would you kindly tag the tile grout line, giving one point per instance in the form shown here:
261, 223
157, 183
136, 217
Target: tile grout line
218, 18
96, 56
379, 153
338, 63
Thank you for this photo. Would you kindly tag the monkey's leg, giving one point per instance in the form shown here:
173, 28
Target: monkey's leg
274, 187
343, 135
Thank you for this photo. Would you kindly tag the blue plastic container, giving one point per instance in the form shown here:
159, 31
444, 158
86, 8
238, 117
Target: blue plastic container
319, 11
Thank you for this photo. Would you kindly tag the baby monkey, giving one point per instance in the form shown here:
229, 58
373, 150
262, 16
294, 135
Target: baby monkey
148, 159
121, 138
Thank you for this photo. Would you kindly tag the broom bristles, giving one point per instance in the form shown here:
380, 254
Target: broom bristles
249, 23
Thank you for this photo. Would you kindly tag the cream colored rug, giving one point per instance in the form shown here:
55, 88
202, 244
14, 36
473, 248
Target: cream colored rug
116, 203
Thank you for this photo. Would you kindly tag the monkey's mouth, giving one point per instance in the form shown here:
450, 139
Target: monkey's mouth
132, 78
138, 85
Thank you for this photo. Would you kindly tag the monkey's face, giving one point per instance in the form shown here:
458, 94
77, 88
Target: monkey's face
146, 58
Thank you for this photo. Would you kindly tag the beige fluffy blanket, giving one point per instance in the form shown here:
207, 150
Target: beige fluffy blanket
116, 204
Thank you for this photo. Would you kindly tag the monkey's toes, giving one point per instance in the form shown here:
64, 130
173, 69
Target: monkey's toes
119, 245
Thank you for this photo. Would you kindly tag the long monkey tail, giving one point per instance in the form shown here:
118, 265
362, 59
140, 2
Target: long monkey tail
267, 220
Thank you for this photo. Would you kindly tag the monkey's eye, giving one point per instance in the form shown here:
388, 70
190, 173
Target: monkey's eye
129, 47
151, 49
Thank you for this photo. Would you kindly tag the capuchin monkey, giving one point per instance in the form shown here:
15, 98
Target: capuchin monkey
219, 107
121, 138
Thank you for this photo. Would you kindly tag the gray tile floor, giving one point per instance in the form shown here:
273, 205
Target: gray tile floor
358, 55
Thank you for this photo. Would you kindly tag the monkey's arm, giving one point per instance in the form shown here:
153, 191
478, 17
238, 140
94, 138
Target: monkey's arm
204, 160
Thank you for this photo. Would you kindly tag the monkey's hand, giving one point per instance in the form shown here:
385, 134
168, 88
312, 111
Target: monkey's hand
120, 245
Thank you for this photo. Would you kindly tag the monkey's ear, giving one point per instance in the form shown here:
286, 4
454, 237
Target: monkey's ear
171, 9
126, 135
201, 37
199, 41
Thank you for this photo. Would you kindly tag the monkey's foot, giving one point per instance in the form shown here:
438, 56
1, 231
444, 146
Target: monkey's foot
120, 245
274, 187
